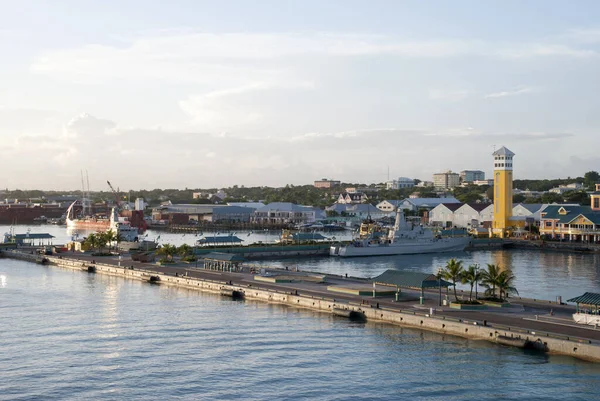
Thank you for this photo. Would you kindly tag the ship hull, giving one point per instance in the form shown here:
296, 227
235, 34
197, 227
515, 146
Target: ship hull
88, 225
455, 244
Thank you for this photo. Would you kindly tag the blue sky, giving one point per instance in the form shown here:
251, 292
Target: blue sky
205, 94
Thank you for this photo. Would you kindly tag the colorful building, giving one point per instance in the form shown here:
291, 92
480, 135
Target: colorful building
573, 222
503, 193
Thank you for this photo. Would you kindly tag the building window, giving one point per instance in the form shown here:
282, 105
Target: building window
596, 203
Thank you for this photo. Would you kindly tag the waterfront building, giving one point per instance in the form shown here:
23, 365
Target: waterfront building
400, 183
183, 213
359, 211
573, 222
325, 183
279, 213
472, 175
232, 214
503, 192
447, 180
462, 215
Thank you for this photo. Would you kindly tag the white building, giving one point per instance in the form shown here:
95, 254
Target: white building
139, 204
447, 180
284, 213
352, 197
388, 205
561, 189
401, 182
472, 175
360, 211
462, 215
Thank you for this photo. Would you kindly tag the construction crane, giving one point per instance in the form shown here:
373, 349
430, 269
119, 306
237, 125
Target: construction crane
115, 193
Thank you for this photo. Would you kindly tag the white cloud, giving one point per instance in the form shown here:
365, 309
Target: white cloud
209, 58
512, 92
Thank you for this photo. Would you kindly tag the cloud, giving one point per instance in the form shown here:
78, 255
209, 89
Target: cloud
87, 126
238, 58
512, 92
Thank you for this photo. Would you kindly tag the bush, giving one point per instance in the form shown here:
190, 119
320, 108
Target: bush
189, 258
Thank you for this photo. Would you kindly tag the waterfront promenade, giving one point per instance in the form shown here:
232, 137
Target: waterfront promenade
545, 323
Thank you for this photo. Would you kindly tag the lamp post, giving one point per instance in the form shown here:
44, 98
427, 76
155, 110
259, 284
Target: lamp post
477, 278
439, 274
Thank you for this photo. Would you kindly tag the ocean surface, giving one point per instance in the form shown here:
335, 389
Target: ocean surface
69, 335
72, 335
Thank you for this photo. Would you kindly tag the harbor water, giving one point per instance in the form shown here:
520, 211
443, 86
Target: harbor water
73, 335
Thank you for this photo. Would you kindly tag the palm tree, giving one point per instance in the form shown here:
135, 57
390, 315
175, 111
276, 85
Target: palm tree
453, 272
103, 239
110, 236
489, 278
91, 241
471, 276
184, 250
168, 251
505, 283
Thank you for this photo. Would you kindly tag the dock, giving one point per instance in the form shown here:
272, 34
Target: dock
542, 325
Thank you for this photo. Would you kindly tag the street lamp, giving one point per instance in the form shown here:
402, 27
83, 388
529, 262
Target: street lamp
476, 278
439, 274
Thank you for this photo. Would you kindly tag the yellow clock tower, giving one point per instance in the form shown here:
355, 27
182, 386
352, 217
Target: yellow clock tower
503, 190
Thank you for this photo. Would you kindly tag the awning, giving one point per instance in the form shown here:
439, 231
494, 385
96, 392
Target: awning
409, 279
589, 298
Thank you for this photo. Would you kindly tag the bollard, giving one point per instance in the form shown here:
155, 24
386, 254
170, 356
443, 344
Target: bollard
421, 300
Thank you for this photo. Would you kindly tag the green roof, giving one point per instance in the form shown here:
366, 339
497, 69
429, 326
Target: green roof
551, 213
409, 279
589, 298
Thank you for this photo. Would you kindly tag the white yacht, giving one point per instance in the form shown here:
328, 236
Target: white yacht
402, 239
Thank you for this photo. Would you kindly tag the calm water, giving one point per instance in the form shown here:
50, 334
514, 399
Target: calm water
73, 335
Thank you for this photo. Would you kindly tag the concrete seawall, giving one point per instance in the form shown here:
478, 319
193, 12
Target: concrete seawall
552, 343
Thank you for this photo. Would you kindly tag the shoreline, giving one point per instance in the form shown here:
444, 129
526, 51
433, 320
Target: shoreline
465, 324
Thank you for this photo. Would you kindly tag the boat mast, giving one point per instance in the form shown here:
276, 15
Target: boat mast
83, 202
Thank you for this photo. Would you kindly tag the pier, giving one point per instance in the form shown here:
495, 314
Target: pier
542, 325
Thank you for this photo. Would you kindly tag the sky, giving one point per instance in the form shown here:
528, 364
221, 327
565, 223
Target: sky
204, 94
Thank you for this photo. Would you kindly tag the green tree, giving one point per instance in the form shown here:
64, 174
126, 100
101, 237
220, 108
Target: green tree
471, 276
518, 198
505, 283
453, 273
489, 278
590, 179
184, 250
552, 197
168, 251
91, 241
580, 197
